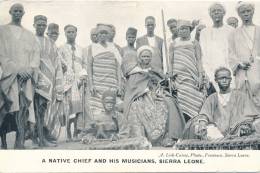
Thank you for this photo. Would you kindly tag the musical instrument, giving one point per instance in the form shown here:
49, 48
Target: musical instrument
138, 143
251, 142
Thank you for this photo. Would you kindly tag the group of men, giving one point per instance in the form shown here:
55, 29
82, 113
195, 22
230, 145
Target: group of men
40, 82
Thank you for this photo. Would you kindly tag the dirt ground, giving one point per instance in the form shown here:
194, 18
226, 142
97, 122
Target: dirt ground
62, 144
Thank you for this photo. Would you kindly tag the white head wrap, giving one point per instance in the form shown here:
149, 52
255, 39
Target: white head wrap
216, 4
143, 48
181, 23
242, 3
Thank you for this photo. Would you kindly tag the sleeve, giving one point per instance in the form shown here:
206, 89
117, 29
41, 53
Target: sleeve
232, 57
35, 60
35, 55
138, 44
208, 108
6, 63
198, 55
59, 78
85, 59
90, 65
203, 46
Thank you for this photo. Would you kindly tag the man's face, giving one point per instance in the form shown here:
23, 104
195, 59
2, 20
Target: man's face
232, 22
40, 27
173, 28
217, 13
71, 33
102, 36
223, 78
93, 37
184, 31
150, 25
246, 13
17, 12
131, 39
109, 104
53, 34
145, 57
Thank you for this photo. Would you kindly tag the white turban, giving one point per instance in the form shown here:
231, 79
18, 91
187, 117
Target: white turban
143, 48
242, 3
216, 4
181, 23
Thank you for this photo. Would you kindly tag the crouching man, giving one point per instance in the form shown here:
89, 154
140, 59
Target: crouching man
108, 125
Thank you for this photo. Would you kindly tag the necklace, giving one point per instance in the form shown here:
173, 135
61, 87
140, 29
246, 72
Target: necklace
248, 39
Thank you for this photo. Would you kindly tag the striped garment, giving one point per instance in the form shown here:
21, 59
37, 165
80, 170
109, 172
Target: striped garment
104, 77
186, 67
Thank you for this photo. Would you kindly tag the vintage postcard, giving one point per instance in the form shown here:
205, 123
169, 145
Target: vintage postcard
129, 86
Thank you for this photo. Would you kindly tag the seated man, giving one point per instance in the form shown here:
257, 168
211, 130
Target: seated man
231, 111
109, 123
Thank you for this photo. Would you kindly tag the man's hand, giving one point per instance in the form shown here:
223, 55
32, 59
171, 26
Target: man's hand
64, 68
244, 65
93, 90
201, 129
245, 130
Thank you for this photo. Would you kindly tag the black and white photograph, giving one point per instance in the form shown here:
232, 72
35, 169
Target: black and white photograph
129, 75
129, 86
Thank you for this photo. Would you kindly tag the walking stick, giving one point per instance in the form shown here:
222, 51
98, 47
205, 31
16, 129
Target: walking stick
83, 105
169, 69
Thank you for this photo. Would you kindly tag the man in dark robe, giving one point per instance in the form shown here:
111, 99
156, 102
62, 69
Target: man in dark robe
231, 111
153, 41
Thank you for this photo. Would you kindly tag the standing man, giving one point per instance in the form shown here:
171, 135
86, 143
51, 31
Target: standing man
53, 31
129, 53
111, 36
172, 24
232, 21
49, 90
244, 53
93, 35
214, 42
72, 55
20, 60
152, 40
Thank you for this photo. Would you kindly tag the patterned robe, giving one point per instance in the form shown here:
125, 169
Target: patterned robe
186, 62
72, 58
106, 66
50, 84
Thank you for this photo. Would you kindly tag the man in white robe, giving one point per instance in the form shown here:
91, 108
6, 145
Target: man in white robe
244, 53
214, 42
20, 60
72, 55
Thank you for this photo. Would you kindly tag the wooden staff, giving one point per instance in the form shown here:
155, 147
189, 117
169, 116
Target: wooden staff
169, 69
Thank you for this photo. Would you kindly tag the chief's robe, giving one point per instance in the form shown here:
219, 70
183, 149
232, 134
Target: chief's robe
170, 121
